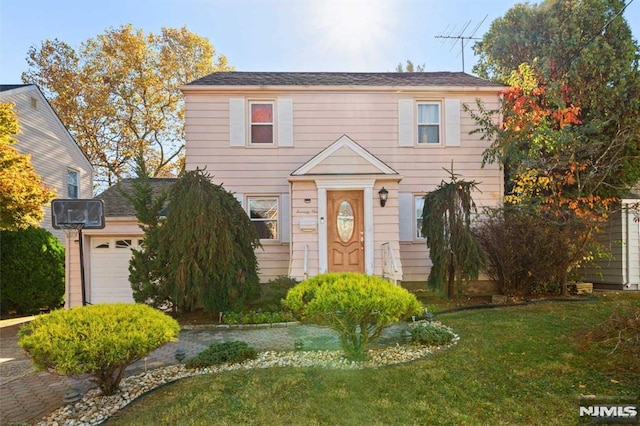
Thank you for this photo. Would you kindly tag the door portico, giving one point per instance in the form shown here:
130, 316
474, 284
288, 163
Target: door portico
343, 174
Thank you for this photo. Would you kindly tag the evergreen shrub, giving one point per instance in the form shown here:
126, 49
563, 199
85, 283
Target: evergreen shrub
100, 340
232, 352
31, 271
430, 333
359, 307
256, 317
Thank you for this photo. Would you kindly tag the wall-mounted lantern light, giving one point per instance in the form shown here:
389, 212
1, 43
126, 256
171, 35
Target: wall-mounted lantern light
383, 194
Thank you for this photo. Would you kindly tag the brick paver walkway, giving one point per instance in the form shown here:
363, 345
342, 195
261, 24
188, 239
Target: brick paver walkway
27, 396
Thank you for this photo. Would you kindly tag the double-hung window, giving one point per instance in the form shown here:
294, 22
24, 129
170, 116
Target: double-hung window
72, 184
428, 123
261, 122
263, 212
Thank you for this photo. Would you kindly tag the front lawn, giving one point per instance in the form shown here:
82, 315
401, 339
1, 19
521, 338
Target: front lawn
517, 365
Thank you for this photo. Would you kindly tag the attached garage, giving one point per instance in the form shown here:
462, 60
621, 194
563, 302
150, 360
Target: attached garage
107, 251
110, 268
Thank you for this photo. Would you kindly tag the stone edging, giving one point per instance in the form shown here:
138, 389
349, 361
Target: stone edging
188, 327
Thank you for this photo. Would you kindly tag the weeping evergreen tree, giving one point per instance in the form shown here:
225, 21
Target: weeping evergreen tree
446, 225
146, 274
208, 242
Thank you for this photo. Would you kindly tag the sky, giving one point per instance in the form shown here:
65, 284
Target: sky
273, 35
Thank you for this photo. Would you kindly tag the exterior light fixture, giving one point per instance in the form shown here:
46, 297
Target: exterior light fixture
180, 354
71, 397
383, 194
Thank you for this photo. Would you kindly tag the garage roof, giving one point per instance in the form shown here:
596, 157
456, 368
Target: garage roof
116, 203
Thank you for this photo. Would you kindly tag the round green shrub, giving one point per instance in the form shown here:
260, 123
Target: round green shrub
256, 317
31, 271
225, 352
430, 333
100, 340
359, 307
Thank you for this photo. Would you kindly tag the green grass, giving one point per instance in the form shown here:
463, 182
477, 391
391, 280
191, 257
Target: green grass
519, 365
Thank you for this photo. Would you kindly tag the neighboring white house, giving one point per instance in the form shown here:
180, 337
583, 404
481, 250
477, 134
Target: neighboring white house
622, 237
55, 155
309, 155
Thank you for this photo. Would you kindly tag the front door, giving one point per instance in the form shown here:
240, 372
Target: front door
345, 231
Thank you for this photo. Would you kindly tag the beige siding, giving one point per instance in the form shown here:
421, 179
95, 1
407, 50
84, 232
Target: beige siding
621, 238
53, 151
273, 261
320, 118
386, 226
304, 238
73, 292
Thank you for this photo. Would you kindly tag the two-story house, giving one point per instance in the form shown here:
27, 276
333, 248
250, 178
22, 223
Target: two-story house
330, 167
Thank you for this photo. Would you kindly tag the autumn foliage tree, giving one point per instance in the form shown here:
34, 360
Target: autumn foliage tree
545, 163
22, 194
119, 96
569, 141
582, 55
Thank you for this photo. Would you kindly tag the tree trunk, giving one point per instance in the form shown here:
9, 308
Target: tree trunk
451, 281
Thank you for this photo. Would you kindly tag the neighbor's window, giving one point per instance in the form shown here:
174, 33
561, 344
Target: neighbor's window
72, 184
419, 203
261, 122
429, 123
263, 212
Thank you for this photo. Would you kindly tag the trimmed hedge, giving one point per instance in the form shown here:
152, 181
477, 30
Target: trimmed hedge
100, 340
31, 271
233, 352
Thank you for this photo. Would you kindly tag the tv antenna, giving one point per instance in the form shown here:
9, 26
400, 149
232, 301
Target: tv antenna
460, 36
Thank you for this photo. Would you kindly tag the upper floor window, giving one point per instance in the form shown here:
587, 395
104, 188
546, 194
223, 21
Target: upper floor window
73, 190
263, 212
261, 122
429, 123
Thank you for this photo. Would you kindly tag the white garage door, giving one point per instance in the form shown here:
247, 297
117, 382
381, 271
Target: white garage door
110, 269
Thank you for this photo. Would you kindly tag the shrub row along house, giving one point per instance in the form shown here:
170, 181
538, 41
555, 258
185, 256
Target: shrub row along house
330, 167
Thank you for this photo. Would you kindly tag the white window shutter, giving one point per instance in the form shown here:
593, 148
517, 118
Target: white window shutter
452, 122
285, 219
405, 122
237, 122
240, 199
285, 122
405, 215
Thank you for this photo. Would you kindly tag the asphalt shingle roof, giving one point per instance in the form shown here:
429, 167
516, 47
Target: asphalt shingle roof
5, 87
235, 78
117, 205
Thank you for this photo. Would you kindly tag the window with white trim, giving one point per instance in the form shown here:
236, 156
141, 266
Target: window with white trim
429, 123
73, 190
261, 123
263, 212
418, 202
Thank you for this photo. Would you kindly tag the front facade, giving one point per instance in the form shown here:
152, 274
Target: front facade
309, 156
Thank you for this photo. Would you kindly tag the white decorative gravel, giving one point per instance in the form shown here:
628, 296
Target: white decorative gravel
94, 408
